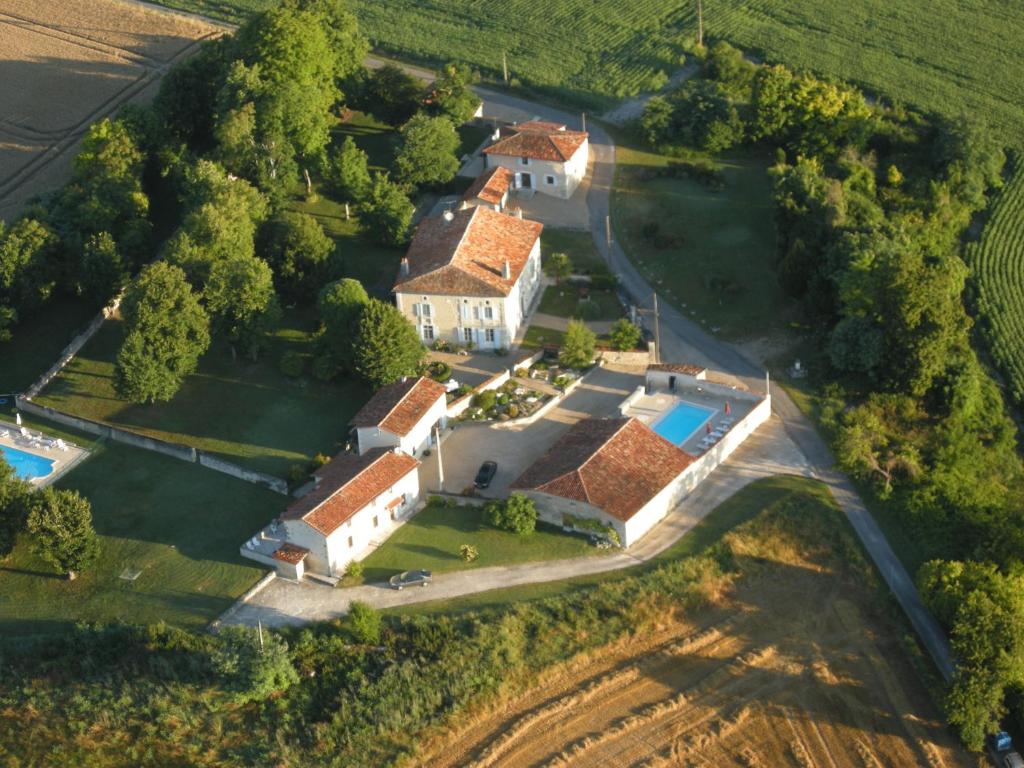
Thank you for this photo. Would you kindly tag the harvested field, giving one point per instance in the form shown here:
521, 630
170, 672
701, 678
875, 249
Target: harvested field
794, 668
68, 63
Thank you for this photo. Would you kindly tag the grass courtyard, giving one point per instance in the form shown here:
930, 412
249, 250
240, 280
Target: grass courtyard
177, 523
432, 539
567, 300
720, 270
249, 413
801, 494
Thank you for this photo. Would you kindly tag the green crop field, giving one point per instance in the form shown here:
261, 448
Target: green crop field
997, 262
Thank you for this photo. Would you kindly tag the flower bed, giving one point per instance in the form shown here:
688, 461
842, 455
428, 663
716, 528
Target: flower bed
511, 400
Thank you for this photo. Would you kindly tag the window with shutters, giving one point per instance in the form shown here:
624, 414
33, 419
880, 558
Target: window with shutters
428, 332
489, 335
467, 334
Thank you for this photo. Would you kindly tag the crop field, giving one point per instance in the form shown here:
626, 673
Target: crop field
997, 262
794, 666
66, 64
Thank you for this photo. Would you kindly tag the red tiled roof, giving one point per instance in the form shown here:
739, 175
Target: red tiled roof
491, 185
399, 407
347, 484
466, 256
539, 140
617, 465
687, 368
290, 553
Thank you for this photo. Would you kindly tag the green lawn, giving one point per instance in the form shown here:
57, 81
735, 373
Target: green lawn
246, 412
178, 523
722, 271
564, 301
378, 140
38, 341
810, 496
432, 539
578, 246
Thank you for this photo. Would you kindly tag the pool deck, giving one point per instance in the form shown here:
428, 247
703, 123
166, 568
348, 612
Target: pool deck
651, 407
39, 444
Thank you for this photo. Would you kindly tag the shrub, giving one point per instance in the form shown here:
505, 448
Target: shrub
364, 623
602, 279
625, 335
254, 664
578, 348
588, 309
513, 411
518, 514
292, 364
440, 371
485, 400
318, 461
354, 569
297, 475
468, 553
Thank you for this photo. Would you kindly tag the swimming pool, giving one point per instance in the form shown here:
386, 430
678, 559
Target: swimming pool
26, 465
678, 425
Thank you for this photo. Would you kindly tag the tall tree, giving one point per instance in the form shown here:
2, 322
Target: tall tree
241, 301
350, 172
451, 95
427, 154
578, 346
104, 272
386, 213
341, 304
391, 95
298, 250
15, 494
61, 526
27, 270
166, 332
387, 346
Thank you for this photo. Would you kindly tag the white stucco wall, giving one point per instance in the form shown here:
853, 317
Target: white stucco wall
567, 175
330, 554
451, 316
660, 379
415, 442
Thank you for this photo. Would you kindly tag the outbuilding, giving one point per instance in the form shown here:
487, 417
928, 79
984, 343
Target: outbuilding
401, 415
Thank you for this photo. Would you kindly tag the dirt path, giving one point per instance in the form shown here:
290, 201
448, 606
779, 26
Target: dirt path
757, 681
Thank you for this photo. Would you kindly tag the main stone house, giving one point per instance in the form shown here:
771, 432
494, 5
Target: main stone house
470, 276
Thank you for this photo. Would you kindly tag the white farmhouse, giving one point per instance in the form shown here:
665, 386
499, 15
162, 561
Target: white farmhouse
357, 501
543, 156
617, 472
401, 415
470, 276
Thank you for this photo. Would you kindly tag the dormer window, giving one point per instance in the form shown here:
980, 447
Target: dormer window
524, 161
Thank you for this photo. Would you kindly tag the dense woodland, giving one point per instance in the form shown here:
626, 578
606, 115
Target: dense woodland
872, 206
872, 203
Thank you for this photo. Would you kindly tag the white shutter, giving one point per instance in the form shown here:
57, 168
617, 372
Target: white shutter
476, 313
416, 310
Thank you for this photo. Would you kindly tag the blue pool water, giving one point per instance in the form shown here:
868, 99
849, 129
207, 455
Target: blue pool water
678, 425
26, 465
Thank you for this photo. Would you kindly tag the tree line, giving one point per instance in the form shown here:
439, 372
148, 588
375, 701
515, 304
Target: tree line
872, 205
231, 135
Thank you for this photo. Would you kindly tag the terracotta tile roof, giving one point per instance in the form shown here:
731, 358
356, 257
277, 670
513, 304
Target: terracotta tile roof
617, 465
491, 185
290, 553
466, 256
347, 484
399, 407
539, 140
687, 368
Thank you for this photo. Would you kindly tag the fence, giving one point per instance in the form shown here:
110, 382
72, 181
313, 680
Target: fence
174, 450
72, 349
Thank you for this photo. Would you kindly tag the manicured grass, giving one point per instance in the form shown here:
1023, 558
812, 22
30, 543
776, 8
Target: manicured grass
755, 498
578, 246
722, 272
378, 140
38, 340
564, 301
248, 413
178, 523
432, 539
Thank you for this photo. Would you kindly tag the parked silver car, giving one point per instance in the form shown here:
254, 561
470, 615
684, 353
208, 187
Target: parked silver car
410, 579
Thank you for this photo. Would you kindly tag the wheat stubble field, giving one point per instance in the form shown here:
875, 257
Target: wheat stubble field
68, 63
793, 666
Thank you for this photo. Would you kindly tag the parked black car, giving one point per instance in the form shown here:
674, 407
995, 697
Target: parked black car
410, 579
487, 472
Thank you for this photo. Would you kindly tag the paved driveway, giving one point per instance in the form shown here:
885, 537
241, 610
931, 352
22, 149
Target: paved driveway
515, 447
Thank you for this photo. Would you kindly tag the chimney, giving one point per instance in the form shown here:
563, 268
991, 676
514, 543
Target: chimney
496, 135
404, 267
448, 216
506, 270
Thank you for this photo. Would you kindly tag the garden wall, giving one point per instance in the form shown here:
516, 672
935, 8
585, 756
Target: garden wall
174, 450
73, 348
